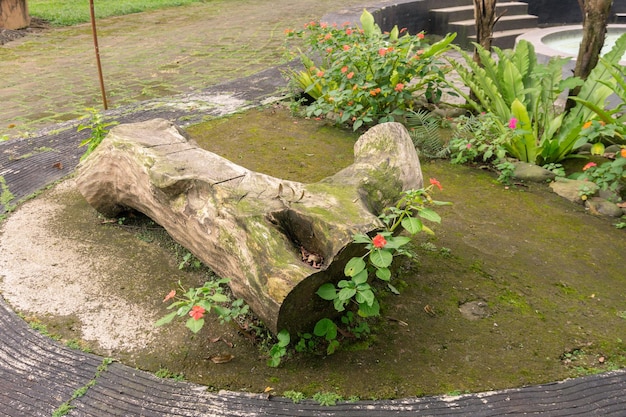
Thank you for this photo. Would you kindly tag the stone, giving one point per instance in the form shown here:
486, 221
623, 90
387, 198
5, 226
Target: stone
571, 189
601, 207
248, 226
531, 172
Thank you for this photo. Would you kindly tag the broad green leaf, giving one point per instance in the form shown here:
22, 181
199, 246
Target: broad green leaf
219, 298
381, 258
393, 35
429, 214
360, 278
194, 325
396, 242
325, 328
283, 338
354, 266
365, 297
166, 319
360, 238
366, 310
327, 292
367, 23
412, 225
383, 273
346, 293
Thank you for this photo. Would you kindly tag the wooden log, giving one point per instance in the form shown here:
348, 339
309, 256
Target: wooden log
248, 226
14, 14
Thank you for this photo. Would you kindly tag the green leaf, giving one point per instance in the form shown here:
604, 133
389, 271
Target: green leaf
367, 23
360, 238
412, 225
327, 292
393, 289
429, 214
354, 266
396, 242
381, 258
360, 278
283, 338
325, 328
219, 298
166, 319
194, 325
383, 273
346, 293
366, 310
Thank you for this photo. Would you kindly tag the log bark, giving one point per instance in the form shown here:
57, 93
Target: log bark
14, 14
248, 226
485, 20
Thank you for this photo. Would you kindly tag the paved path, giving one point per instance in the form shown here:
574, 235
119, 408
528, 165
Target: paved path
39, 376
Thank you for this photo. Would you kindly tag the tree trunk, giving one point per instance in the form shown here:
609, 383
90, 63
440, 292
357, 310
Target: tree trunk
485, 17
14, 14
248, 226
595, 18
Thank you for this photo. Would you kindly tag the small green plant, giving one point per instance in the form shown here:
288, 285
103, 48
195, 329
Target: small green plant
380, 251
366, 76
99, 130
5, 195
477, 138
506, 170
189, 260
279, 349
295, 396
167, 374
327, 398
609, 176
424, 129
557, 169
196, 302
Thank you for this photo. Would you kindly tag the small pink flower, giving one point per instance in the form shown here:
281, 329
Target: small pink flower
320, 74
344, 69
350, 75
346, 47
468, 146
420, 35
589, 165
379, 241
170, 295
513, 123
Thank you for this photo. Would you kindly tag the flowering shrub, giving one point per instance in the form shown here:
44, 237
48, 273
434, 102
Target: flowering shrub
196, 302
366, 76
610, 176
407, 215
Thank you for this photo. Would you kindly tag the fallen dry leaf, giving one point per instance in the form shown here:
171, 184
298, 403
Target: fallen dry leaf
222, 358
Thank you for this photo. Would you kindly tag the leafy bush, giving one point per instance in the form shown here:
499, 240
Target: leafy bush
365, 76
523, 94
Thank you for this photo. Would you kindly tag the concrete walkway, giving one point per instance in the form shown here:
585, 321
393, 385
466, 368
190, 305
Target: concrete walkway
37, 375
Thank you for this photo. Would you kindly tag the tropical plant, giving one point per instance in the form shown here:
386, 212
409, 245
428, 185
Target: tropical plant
362, 76
523, 94
609, 176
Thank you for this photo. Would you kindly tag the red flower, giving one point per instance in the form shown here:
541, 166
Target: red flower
346, 47
197, 312
348, 31
379, 241
350, 75
344, 69
328, 36
169, 296
436, 183
320, 74
420, 36
399, 87
382, 52
589, 165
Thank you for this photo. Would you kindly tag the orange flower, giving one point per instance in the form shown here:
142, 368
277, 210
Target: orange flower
344, 69
320, 74
623, 152
399, 87
350, 75
379, 241
197, 312
348, 31
436, 183
374, 91
382, 52
346, 47
589, 165
170, 295
587, 125
328, 36
420, 35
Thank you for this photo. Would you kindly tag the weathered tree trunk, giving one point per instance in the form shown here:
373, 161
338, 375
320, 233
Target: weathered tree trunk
248, 226
595, 18
14, 14
485, 17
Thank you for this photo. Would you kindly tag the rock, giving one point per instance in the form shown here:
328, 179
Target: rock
601, 207
572, 189
474, 310
531, 172
248, 226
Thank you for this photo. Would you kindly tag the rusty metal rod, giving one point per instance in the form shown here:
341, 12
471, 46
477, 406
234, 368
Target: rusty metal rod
95, 44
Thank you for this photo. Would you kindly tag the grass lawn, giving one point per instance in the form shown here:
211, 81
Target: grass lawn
71, 12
